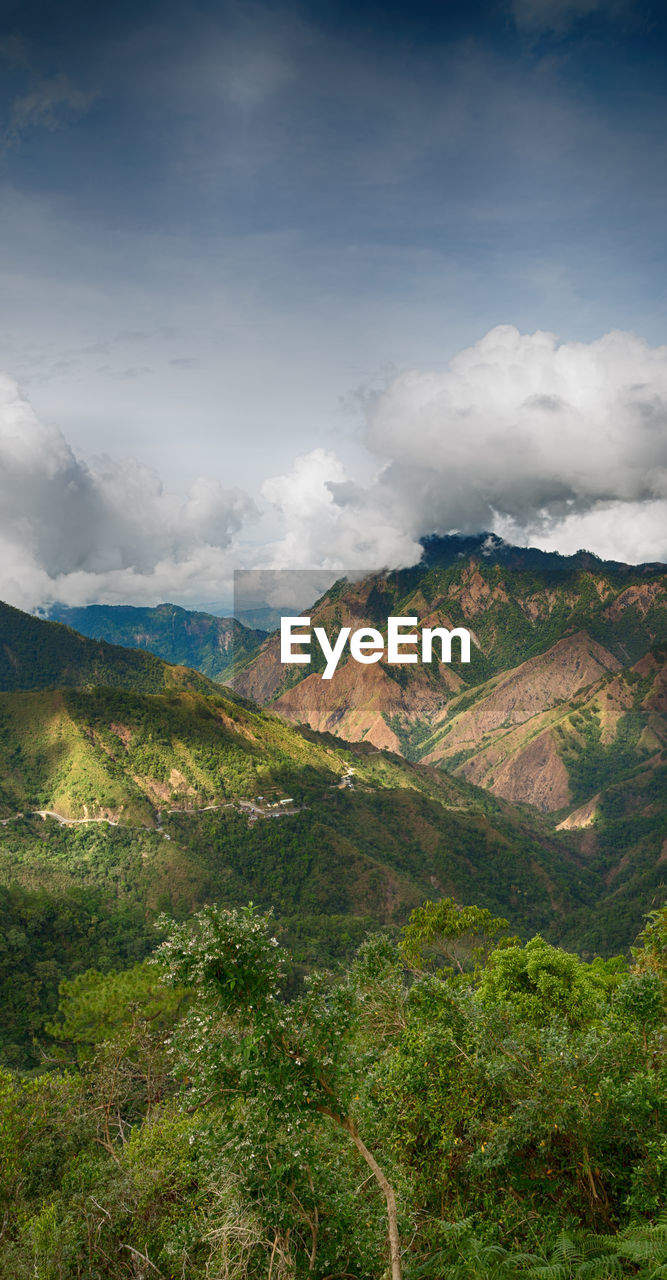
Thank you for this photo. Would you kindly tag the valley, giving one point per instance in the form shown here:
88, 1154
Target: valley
530, 782
142, 802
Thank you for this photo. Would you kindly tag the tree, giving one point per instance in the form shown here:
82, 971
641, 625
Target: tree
447, 931
301, 1060
542, 982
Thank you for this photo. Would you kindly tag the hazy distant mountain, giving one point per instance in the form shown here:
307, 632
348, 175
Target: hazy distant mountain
192, 639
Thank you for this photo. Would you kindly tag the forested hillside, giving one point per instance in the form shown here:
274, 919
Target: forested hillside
463, 1099
117, 801
35, 654
185, 636
145, 802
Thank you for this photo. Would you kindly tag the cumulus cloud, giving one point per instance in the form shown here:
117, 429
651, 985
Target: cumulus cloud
519, 423
326, 520
633, 532
76, 532
560, 444
557, 445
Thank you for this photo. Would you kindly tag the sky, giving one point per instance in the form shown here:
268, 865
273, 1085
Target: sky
293, 285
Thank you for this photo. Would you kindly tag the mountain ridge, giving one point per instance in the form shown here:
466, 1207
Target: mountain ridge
38, 654
187, 637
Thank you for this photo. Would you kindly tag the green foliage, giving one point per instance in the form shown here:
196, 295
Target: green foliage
451, 931
542, 982
288, 1066
94, 1007
47, 937
639, 1251
215, 1114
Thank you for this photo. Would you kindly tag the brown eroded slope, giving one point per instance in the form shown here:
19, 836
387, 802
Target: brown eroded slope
524, 692
357, 703
570, 750
545, 629
507, 735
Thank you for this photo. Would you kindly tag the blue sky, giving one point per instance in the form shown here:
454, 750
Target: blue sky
229, 229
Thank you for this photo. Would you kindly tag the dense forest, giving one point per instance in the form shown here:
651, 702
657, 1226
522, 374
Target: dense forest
454, 1104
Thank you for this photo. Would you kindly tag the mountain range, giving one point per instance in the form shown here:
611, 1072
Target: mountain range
566, 670
561, 709
185, 636
530, 782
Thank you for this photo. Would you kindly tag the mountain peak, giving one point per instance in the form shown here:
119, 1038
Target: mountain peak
444, 550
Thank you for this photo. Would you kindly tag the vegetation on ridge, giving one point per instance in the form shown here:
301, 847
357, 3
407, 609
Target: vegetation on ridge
185, 636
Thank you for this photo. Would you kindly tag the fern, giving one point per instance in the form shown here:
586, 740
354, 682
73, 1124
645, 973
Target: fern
639, 1251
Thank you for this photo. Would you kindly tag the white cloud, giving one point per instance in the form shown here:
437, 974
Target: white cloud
632, 532
522, 428
560, 445
75, 532
329, 522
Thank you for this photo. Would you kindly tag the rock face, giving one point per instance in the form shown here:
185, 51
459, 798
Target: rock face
536, 775
548, 685
515, 752
584, 816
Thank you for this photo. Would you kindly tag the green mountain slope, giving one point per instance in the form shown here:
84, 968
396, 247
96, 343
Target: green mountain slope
360, 832
116, 803
114, 753
184, 636
35, 654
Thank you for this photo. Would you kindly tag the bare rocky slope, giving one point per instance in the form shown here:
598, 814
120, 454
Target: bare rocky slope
561, 708
544, 628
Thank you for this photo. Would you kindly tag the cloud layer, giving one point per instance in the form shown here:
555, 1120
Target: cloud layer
562, 445
519, 424
77, 532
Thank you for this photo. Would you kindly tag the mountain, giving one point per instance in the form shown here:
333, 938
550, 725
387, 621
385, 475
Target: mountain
561, 709
544, 627
184, 636
558, 727
134, 743
338, 828
118, 802
125, 759
35, 654
379, 828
